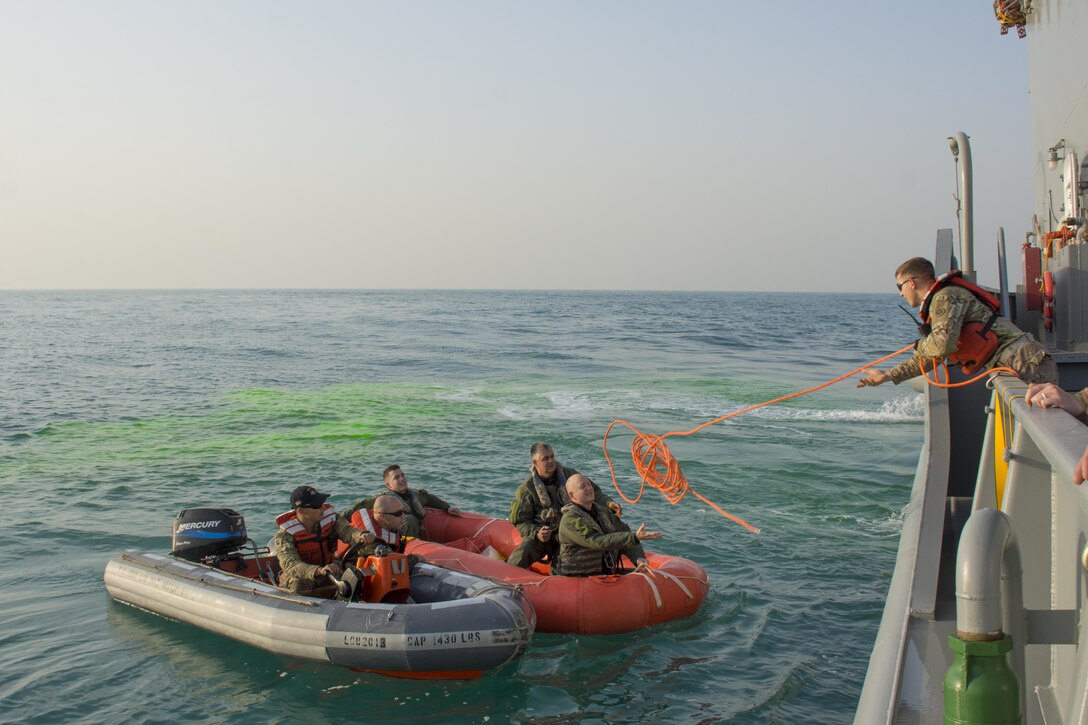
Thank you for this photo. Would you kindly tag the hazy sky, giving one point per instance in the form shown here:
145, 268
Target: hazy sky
544, 145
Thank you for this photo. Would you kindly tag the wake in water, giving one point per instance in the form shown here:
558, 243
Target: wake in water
906, 409
568, 404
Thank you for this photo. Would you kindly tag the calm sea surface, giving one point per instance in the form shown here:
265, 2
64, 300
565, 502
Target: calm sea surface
119, 409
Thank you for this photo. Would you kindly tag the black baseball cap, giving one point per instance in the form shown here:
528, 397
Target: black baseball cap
307, 497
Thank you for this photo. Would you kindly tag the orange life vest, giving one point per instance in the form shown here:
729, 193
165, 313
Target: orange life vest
313, 548
977, 341
362, 519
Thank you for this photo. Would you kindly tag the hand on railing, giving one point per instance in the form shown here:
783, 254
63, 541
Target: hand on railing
1049, 395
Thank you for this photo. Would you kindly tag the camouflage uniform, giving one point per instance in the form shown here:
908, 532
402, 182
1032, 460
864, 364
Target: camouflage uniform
528, 515
1082, 398
413, 502
951, 308
591, 543
297, 575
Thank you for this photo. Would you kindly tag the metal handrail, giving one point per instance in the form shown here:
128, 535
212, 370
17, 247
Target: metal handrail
1061, 438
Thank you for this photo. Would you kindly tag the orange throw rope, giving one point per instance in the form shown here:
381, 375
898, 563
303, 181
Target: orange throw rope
656, 465
936, 383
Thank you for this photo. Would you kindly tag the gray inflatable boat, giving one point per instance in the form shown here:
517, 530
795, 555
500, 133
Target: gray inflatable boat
452, 624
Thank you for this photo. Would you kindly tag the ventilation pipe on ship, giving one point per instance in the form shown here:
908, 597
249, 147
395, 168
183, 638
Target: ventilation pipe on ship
1003, 274
980, 686
961, 152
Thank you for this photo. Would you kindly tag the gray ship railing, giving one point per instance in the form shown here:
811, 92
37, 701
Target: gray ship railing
1049, 518
1049, 515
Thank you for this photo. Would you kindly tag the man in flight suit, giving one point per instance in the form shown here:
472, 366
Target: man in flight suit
536, 507
592, 538
414, 500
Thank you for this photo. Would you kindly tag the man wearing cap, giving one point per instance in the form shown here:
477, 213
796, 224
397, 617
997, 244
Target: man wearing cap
414, 501
306, 542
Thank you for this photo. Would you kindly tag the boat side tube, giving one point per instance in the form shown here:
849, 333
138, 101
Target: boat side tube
455, 623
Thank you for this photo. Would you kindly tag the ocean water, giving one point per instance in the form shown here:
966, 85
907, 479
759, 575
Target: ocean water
119, 409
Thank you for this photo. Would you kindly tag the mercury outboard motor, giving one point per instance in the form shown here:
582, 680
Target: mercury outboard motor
207, 532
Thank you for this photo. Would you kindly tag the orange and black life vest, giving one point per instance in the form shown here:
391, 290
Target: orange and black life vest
319, 548
362, 519
977, 341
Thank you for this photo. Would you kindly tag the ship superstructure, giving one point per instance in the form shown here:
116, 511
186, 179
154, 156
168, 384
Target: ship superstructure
993, 560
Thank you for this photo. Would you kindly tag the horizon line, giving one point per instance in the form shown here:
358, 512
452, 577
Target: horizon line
423, 289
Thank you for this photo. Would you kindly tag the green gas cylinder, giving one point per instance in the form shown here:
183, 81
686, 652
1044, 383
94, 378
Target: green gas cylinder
980, 688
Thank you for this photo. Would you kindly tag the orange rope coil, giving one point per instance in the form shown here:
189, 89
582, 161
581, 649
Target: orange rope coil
657, 467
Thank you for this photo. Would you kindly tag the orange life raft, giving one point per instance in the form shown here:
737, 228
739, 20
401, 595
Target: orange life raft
674, 588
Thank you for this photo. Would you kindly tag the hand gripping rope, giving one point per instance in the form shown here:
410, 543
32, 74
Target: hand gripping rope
657, 467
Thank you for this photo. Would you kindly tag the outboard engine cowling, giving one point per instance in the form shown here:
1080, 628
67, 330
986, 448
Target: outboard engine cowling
205, 532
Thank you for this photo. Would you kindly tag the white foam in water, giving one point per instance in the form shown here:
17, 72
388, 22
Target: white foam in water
567, 401
906, 409
563, 404
568, 404
791, 431
892, 524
